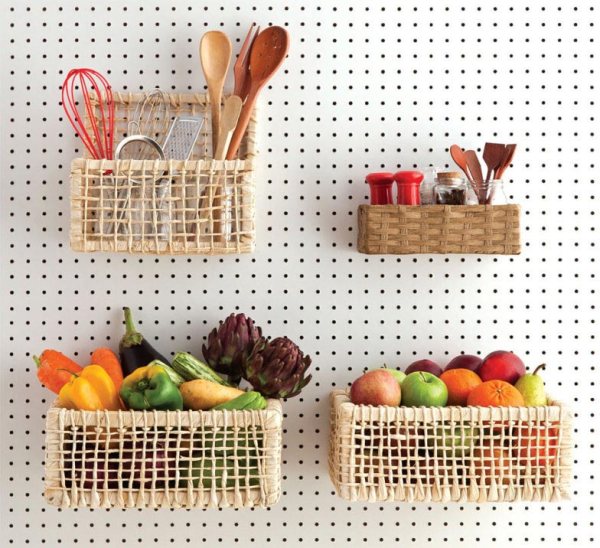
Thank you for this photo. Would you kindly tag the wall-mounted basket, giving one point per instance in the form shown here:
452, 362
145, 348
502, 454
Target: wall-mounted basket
163, 459
440, 454
198, 206
398, 229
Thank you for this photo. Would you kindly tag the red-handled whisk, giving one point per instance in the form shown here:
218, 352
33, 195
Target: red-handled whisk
98, 138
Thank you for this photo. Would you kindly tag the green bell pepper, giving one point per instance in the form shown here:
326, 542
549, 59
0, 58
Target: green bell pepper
151, 387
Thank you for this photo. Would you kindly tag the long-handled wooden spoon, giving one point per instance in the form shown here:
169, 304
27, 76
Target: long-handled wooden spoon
268, 52
215, 55
476, 173
461, 161
229, 118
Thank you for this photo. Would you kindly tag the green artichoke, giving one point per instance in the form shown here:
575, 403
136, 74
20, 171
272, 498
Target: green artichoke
229, 345
276, 368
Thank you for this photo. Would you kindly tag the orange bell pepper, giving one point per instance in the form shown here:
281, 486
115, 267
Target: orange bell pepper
90, 390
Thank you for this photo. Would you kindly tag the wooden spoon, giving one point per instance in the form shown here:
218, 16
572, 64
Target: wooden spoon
493, 154
268, 52
215, 55
231, 113
461, 161
476, 173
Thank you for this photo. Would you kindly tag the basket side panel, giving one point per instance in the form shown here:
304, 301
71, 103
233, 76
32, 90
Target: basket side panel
439, 229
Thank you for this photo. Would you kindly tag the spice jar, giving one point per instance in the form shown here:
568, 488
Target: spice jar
408, 183
450, 189
380, 185
426, 188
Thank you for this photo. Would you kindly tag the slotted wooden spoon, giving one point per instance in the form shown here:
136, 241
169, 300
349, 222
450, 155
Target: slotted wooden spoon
268, 52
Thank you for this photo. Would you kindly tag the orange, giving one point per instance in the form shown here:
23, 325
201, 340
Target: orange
536, 445
495, 394
460, 383
493, 463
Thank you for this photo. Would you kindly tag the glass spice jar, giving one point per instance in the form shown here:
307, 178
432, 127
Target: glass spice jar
450, 189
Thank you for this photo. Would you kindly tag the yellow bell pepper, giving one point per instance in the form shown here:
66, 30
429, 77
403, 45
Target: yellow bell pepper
90, 390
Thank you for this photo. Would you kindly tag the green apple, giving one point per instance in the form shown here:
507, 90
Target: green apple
422, 388
398, 375
448, 441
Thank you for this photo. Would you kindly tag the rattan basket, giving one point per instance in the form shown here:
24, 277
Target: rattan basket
440, 454
399, 230
197, 206
163, 459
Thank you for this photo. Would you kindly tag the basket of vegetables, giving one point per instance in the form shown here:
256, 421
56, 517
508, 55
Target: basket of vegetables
136, 431
480, 431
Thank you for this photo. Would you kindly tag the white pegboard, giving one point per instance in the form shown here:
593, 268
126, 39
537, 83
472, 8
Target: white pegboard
366, 86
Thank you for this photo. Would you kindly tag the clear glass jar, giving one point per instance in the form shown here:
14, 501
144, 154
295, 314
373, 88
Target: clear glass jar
494, 193
427, 186
450, 189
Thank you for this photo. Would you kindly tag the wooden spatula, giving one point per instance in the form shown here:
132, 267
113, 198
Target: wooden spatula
506, 161
493, 154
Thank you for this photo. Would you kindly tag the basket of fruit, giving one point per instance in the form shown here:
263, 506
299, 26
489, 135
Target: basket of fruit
479, 431
138, 431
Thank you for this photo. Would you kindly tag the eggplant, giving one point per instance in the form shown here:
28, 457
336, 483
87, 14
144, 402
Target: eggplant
134, 350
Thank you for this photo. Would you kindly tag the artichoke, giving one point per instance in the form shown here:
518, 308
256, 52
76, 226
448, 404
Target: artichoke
276, 368
230, 344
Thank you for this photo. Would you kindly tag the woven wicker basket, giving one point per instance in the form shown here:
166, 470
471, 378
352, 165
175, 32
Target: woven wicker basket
399, 230
445, 454
198, 206
163, 459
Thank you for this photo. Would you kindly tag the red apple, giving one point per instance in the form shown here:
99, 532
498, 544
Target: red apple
465, 361
376, 388
424, 365
503, 366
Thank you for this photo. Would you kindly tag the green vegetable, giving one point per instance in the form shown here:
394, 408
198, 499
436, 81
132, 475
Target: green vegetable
173, 375
191, 368
219, 473
248, 400
151, 388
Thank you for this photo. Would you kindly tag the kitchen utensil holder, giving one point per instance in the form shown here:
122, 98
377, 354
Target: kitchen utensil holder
196, 206
408, 454
398, 230
143, 459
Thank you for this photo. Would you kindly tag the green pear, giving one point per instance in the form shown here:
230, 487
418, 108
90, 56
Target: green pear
531, 386
458, 441
398, 375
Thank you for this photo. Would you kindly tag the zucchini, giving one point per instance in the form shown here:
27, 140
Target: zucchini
191, 368
173, 375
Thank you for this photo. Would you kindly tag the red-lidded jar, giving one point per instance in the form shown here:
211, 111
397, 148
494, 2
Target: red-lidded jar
380, 185
408, 183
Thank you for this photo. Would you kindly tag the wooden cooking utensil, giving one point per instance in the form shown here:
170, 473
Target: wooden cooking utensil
229, 118
268, 52
493, 154
240, 68
476, 173
506, 161
215, 55
461, 161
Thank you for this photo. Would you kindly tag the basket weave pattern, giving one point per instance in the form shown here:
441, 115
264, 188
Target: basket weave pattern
446, 454
397, 229
197, 206
163, 459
